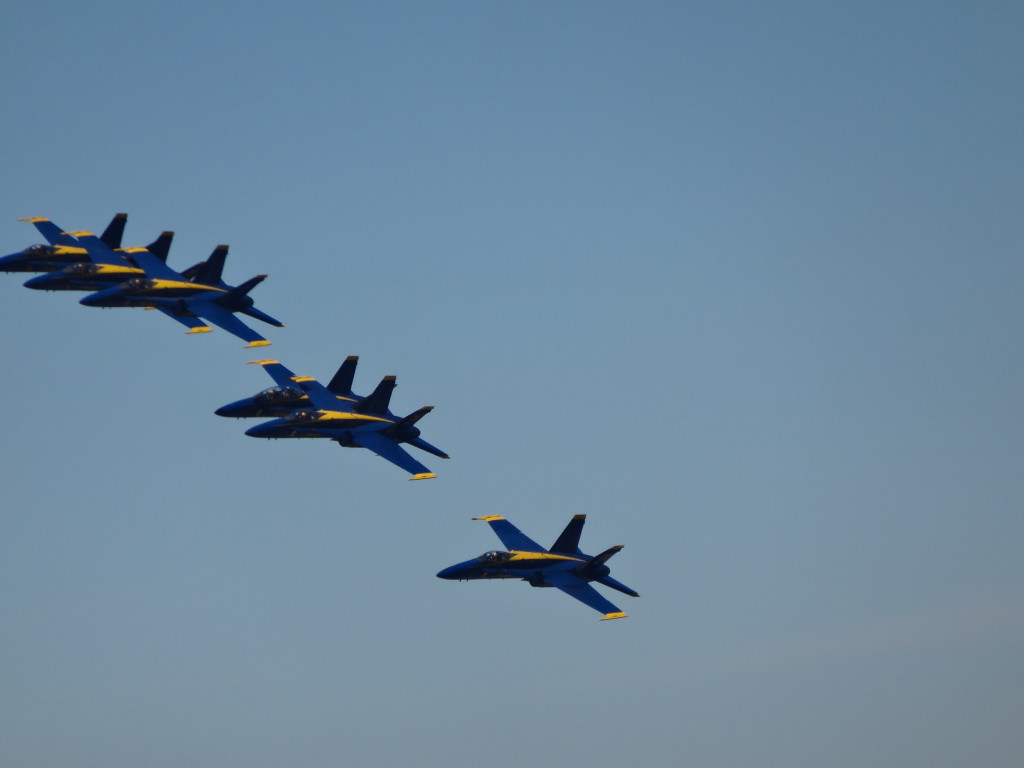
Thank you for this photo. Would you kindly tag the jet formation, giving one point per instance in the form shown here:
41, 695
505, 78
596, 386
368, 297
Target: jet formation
298, 406
564, 566
305, 408
139, 277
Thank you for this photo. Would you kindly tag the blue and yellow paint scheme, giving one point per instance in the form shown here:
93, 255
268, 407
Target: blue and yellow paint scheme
307, 409
564, 566
69, 266
188, 301
61, 249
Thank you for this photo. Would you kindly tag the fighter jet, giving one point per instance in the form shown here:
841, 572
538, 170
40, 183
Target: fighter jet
180, 299
63, 250
309, 409
563, 566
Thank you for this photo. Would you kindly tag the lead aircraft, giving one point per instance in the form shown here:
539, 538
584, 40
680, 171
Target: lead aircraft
309, 409
563, 566
187, 302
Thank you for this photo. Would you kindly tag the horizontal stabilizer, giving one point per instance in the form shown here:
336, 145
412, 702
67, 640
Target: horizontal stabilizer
604, 556
161, 247
423, 445
114, 232
378, 400
341, 384
608, 581
413, 417
244, 288
257, 314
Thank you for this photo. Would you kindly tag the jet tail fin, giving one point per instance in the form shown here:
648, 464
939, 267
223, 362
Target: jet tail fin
341, 384
378, 400
569, 540
161, 247
213, 267
190, 273
114, 232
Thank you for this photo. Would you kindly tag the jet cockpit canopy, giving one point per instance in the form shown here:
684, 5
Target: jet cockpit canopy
494, 557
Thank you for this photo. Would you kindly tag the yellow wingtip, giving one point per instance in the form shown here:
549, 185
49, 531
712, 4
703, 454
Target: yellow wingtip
34, 219
607, 616
489, 518
423, 476
263, 362
198, 329
258, 343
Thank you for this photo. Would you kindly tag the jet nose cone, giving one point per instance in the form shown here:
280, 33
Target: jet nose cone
451, 572
40, 283
231, 409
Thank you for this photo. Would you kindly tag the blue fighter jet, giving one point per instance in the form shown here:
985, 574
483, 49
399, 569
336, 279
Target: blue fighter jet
563, 566
177, 297
309, 409
64, 251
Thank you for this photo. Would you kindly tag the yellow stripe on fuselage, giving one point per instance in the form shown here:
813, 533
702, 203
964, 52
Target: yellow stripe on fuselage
114, 269
346, 416
171, 285
69, 250
518, 555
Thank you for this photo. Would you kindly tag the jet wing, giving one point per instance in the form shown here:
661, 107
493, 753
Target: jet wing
152, 266
222, 318
193, 323
388, 449
576, 587
54, 235
511, 536
100, 252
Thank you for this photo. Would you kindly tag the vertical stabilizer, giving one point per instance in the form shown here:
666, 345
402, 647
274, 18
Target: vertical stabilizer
378, 400
341, 384
569, 540
114, 232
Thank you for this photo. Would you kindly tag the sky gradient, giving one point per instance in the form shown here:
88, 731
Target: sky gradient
741, 283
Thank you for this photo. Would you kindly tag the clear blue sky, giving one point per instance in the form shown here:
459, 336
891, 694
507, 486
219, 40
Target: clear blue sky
740, 281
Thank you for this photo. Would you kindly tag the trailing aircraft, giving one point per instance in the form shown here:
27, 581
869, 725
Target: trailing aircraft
309, 409
63, 251
205, 297
563, 566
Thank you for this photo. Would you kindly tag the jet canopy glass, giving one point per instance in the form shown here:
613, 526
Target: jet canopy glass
278, 394
295, 416
82, 268
494, 557
140, 283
